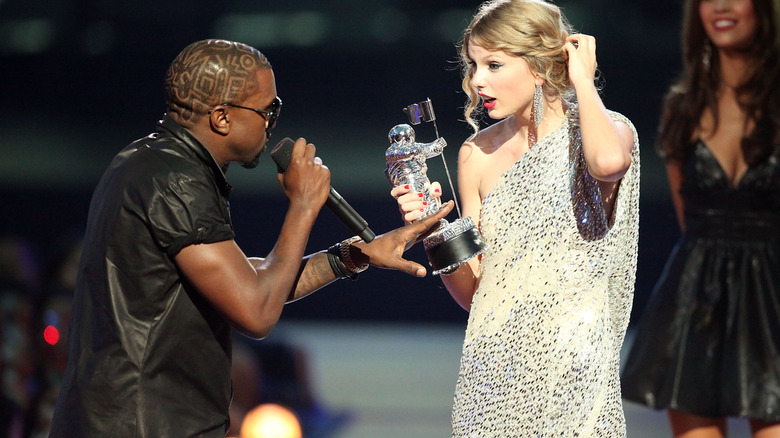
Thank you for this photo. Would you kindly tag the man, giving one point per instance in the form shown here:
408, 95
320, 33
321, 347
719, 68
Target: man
161, 279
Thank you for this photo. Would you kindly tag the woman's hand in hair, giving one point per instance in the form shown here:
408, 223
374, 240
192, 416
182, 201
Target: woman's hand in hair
582, 59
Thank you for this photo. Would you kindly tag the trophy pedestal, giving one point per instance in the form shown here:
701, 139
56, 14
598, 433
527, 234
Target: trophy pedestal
452, 244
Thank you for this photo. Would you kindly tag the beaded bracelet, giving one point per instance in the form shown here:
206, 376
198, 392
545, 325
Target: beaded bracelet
346, 258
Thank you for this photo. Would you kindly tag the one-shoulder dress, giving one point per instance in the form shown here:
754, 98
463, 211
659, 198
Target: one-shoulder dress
541, 351
708, 343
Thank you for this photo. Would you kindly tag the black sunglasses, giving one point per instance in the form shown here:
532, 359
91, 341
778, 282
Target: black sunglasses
270, 114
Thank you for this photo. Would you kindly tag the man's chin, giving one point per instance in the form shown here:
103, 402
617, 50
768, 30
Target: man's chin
252, 164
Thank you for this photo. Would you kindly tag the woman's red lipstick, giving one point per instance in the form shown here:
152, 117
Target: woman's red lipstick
487, 101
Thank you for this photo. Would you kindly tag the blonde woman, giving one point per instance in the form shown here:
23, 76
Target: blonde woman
554, 185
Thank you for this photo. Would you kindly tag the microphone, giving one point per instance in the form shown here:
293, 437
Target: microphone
282, 153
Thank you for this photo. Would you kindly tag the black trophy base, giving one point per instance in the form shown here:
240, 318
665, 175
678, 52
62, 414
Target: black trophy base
453, 244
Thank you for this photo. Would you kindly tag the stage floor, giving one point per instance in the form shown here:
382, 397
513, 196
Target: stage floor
397, 380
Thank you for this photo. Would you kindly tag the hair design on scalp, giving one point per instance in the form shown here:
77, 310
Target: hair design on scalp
210, 72
696, 88
532, 29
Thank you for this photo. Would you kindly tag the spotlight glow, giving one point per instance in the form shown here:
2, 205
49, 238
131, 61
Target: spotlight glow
271, 421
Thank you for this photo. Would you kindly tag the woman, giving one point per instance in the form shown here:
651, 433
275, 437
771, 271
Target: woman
554, 185
707, 345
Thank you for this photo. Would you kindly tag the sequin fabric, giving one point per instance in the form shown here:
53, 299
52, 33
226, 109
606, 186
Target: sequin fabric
541, 352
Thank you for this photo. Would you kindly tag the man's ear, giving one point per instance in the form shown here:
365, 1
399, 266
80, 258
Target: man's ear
219, 120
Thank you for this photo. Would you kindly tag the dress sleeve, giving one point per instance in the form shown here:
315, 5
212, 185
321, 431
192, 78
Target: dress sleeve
586, 197
626, 210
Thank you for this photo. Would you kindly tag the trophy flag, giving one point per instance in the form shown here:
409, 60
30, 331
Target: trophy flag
421, 112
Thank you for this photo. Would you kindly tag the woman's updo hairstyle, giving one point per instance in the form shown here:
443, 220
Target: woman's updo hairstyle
532, 29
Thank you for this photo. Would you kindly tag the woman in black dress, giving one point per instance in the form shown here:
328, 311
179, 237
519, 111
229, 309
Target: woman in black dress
708, 345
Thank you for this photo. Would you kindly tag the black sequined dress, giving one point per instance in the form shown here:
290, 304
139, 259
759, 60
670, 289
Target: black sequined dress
709, 341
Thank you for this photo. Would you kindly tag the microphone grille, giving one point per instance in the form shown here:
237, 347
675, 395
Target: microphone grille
282, 153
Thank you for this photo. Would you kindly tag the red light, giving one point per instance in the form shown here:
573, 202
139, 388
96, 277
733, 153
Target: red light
51, 335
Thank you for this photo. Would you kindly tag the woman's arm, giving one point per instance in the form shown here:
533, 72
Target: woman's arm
463, 282
606, 143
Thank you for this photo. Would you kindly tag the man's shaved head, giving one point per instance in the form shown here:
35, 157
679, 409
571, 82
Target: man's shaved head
210, 72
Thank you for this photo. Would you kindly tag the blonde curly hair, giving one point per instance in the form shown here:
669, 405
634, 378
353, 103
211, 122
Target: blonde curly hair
534, 30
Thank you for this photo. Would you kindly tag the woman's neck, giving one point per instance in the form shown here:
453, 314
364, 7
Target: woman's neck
554, 112
734, 69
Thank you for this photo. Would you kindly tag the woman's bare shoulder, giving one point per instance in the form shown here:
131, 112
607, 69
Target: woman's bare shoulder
488, 139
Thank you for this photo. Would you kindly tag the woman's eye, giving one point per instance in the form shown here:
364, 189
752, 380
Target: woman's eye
494, 66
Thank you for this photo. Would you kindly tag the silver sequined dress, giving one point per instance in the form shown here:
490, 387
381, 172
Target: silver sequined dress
541, 352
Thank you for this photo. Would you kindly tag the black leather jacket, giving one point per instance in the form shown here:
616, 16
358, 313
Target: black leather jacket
148, 355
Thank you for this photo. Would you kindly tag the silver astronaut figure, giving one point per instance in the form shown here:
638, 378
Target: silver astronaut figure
452, 243
406, 163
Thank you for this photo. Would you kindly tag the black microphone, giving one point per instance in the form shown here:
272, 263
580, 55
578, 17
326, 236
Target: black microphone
282, 153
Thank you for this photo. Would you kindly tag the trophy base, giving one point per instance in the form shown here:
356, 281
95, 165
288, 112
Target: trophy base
452, 244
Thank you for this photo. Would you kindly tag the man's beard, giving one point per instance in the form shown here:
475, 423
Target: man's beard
252, 164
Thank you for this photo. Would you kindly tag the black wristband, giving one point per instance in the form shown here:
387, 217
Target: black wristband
338, 267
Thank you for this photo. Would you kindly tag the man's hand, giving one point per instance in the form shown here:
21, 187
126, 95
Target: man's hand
386, 251
306, 182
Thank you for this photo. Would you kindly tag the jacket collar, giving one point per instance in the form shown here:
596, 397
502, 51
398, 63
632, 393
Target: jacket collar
198, 149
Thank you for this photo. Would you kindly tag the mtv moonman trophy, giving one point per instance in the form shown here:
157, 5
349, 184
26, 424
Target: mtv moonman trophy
452, 243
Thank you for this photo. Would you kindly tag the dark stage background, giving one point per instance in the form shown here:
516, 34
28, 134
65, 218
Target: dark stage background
82, 78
